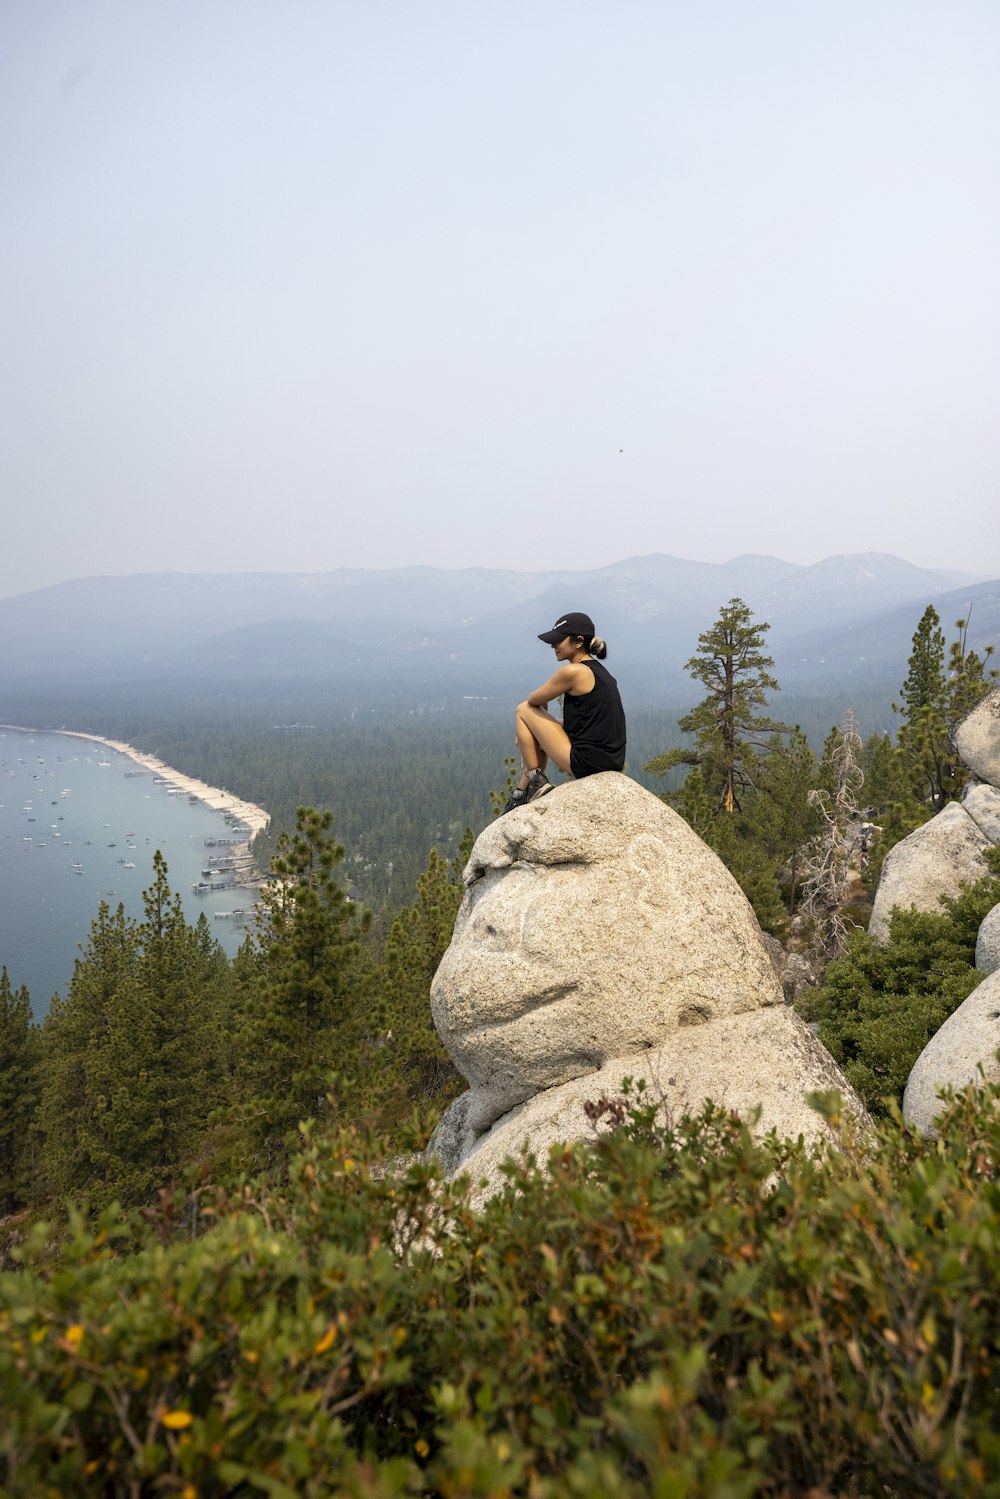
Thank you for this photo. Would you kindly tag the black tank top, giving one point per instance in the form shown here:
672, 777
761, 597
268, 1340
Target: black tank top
595, 724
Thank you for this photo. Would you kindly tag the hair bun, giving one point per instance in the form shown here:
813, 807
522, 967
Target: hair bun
598, 648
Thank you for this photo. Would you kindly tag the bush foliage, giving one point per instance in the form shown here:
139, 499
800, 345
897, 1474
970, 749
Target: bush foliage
684, 1311
881, 1003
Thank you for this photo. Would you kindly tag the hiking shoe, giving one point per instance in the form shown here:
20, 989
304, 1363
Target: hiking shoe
538, 785
517, 799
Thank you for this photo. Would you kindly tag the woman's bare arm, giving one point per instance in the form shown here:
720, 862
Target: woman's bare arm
564, 680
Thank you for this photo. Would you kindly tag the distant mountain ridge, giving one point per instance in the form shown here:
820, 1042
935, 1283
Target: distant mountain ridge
463, 626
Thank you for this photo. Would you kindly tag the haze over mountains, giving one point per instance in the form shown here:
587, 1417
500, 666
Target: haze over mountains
847, 617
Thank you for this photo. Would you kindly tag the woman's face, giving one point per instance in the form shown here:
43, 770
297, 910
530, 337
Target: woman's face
567, 648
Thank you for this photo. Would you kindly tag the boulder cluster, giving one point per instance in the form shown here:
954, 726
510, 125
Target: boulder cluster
936, 860
600, 939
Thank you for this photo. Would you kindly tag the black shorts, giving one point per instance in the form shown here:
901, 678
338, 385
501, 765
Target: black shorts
581, 764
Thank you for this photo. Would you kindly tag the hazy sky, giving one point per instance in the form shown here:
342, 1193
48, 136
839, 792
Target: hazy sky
299, 284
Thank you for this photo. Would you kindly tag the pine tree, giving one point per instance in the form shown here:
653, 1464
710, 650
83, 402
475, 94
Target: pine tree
885, 775
728, 732
415, 946
923, 737
969, 676
80, 1042
784, 817
310, 1006
19, 1082
129, 1054
934, 697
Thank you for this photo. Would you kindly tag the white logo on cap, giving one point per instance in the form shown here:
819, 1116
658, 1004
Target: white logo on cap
558, 623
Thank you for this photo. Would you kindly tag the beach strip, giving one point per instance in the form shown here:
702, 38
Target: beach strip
213, 796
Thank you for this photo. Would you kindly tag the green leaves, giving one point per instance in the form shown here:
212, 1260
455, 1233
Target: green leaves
19, 1085
130, 1053
677, 1310
880, 1004
728, 731
933, 698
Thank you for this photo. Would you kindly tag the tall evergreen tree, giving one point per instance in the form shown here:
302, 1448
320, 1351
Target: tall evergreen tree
923, 736
415, 946
80, 1039
970, 675
128, 1054
309, 1005
933, 697
783, 815
729, 733
19, 1081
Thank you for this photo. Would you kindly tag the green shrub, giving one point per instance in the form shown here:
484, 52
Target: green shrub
678, 1312
881, 1003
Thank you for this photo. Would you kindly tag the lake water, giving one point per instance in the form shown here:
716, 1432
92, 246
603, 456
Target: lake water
73, 816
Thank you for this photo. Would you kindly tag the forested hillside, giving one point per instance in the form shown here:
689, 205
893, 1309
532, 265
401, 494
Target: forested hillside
399, 775
225, 1273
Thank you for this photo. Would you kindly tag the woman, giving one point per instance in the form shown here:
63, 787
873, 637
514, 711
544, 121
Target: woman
591, 737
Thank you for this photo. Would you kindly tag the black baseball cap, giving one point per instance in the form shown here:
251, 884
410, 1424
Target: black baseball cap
569, 624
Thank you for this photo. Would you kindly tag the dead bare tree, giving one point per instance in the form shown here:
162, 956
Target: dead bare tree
828, 882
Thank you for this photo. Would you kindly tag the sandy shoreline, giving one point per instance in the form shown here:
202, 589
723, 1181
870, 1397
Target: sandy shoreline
213, 796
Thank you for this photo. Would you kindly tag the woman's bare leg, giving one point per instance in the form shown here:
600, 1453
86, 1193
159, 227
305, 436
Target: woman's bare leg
540, 737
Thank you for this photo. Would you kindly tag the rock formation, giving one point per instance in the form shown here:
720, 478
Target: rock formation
948, 851
933, 861
963, 1051
977, 738
988, 942
599, 938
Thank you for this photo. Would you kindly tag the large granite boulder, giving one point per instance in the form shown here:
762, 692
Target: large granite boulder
963, 1051
599, 939
595, 924
988, 942
763, 1059
977, 738
982, 802
933, 861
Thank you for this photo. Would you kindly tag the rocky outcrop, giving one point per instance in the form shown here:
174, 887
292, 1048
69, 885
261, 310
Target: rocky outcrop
982, 803
933, 861
764, 1060
988, 942
600, 938
963, 1051
595, 923
977, 738
947, 852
